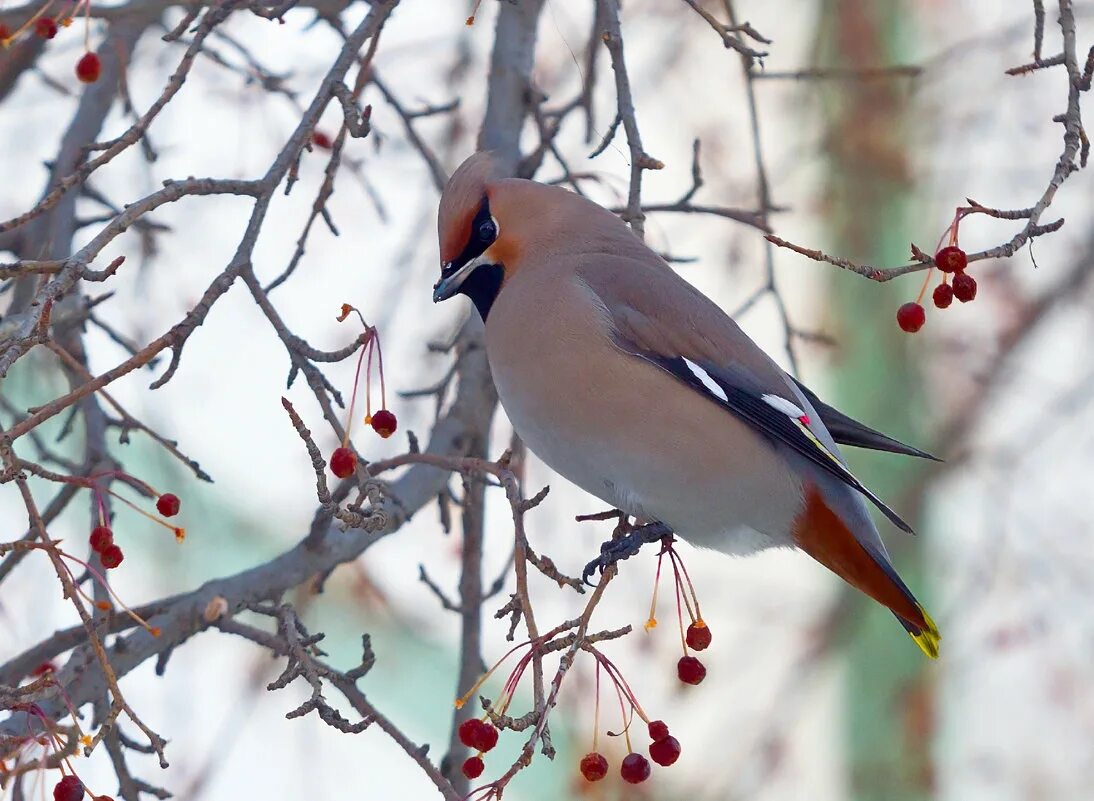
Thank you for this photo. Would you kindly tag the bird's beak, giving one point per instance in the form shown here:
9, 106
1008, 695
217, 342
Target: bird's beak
451, 279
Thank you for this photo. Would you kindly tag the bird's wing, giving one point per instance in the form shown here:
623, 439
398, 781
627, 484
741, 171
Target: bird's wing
848, 431
657, 316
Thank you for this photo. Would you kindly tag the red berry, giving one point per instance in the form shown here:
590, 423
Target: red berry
168, 504
89, 68
943, 295
43, 669
101, 538
472, 767
343, 462
690, 670
635, 768
111, 556
964, 287
69, 788
698, 637
487, 737
951, 259
666, 751
468, 732
384, 423
911, 317
322, 140
659, 730
45, 27
594, 767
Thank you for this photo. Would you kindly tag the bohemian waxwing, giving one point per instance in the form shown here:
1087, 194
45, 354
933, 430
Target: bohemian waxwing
630, 383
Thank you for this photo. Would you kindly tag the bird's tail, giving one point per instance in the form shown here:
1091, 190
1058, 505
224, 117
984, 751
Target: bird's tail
823, 535
927, 636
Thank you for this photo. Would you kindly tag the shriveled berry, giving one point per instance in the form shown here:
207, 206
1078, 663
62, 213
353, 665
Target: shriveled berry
69, 788
89, 68
951, 259
943, 295
111, 556
690, 670
911, 317
665, 751
343, 462
468, 732
472, 767
659, 730
964, 287
323, 141
487, 737
45, 27
594, 766
635, 768
101, 538
384, 423
698, 636
168, 504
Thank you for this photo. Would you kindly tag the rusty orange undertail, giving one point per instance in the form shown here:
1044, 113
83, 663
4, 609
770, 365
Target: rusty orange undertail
823, 535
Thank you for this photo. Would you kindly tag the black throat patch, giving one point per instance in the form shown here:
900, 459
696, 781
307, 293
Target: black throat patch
482, 286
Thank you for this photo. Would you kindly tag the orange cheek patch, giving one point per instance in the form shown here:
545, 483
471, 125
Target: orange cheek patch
505, 252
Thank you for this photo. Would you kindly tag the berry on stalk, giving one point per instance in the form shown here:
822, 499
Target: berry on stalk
45, 28
384, 423
487, 737
594, 767
472, 767
698, 636
964, 287
951, 259
111, 557
101, 538
635, 768
343, 462
943, 295
690, 670
659, 730
168, 504
69, 788
89, 68
911, 317
665, 751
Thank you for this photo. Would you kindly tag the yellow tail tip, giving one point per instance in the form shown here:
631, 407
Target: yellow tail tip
929, 638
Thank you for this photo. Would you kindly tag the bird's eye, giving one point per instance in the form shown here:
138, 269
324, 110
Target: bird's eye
487, 231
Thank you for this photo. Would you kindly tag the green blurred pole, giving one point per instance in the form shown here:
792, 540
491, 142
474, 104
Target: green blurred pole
875, 379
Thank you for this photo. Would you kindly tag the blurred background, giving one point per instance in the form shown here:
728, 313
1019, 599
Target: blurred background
811, 693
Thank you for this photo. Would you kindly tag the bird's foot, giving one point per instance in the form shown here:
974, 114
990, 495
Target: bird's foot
623, 547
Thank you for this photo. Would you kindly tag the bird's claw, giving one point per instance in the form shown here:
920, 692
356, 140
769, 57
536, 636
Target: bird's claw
616, 550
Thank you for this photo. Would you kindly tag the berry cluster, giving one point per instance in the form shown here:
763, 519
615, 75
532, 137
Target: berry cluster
102, 536
951, 260
697, 636
664, 748
44, 26
343, 461
480, 735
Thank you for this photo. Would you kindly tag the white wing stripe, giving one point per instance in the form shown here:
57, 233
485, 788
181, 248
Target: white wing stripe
708, 382
784, 406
